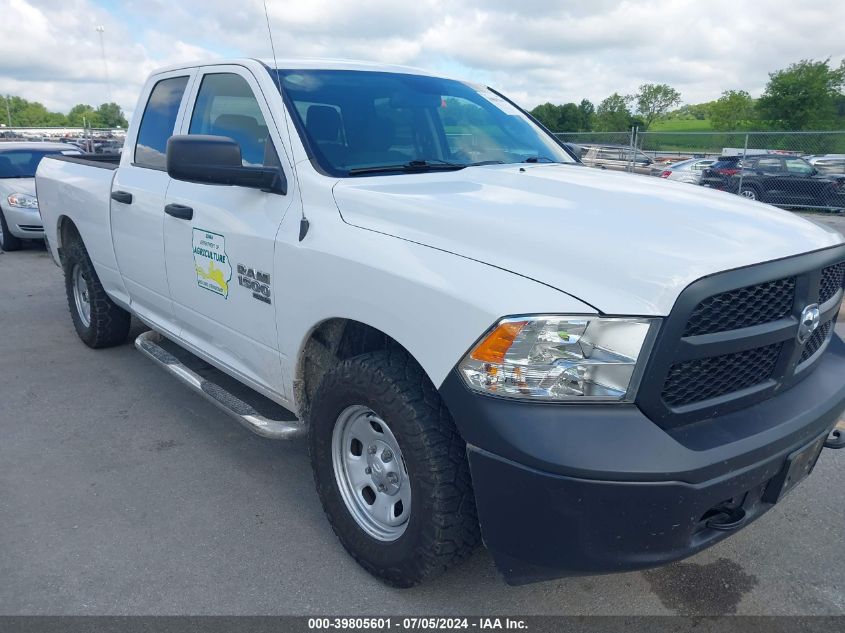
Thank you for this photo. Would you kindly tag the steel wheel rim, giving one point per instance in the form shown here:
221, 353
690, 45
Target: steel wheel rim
81, 297
370, 473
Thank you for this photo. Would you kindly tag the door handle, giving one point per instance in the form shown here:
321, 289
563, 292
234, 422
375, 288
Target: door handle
179, 211
123, 197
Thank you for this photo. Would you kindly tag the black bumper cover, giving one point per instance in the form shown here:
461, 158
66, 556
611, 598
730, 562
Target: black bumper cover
586, 489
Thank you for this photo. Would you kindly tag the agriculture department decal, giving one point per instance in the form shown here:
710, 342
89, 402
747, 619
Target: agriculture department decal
211, 262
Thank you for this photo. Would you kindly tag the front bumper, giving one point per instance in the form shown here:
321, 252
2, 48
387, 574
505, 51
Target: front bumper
24, 223
583, 489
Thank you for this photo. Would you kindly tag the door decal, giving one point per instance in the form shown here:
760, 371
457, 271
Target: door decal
211, 262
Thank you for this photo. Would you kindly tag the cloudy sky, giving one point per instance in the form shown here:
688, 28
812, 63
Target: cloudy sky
535, 51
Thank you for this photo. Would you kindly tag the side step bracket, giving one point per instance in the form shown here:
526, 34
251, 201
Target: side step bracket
155, 346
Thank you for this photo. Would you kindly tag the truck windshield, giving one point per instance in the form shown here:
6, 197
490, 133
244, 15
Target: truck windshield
22, 163
360, 122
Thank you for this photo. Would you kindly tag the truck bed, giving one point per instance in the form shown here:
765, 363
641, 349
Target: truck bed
101, 161
79, 188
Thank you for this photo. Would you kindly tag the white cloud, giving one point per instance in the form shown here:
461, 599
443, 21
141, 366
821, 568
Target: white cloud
534, 51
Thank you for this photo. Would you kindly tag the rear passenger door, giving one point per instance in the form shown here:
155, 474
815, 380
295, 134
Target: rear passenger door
137, 205
220, 262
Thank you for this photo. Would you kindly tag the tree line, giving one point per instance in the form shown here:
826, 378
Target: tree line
807, 95
24, 113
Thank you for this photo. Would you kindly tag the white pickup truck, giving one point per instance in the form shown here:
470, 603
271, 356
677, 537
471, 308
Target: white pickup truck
481, 338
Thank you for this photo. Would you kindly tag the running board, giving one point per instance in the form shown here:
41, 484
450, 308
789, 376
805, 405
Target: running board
274, 421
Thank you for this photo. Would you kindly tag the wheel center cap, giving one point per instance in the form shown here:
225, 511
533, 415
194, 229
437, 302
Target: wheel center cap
384, 468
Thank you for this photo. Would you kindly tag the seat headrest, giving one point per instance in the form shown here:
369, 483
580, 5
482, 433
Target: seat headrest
236, 122
322, 123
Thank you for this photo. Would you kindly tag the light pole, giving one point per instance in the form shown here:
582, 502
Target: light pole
100, 28
8, 110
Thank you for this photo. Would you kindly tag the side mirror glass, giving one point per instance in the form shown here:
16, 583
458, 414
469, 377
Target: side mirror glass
216, 160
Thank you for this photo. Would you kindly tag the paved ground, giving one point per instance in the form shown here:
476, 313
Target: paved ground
123, 493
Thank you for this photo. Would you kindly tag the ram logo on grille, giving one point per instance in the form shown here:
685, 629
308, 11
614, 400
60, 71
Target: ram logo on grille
810, 320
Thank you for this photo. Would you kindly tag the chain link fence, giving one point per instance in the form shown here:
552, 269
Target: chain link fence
793, 170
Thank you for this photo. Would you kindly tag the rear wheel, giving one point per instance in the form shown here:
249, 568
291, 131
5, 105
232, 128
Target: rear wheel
391, 469
8, 242
99, 321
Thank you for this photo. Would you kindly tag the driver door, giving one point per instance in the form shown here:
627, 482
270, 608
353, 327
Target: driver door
220, 240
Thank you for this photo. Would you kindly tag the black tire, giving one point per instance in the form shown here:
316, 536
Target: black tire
8, 242
442, 528
109, 323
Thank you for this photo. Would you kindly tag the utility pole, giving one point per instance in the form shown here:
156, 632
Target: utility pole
100, 29
8, 111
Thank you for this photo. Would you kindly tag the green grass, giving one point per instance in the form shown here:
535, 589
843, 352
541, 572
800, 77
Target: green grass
681, 125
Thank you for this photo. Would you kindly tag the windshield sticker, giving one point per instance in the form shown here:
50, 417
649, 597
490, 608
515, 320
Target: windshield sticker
256, 281
211, 262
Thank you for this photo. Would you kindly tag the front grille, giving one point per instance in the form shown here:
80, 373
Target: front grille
744, 307
731, 339
705, 378
815, 342
832, 278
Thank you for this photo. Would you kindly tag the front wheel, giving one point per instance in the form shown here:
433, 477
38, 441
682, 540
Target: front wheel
391, 469
99, 321
8, 242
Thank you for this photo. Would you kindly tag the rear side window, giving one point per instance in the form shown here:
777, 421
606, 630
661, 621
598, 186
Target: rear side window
768, 164
158, 122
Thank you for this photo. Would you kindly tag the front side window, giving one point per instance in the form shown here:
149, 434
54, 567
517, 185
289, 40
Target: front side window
226, 106
359, 122
799, 167
158, 122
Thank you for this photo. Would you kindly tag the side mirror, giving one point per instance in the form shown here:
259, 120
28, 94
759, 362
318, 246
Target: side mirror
216, 160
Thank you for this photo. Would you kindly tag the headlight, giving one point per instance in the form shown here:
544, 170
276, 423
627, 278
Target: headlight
22, 200
561, 358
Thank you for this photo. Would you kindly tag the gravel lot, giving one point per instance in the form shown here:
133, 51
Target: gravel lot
121, 492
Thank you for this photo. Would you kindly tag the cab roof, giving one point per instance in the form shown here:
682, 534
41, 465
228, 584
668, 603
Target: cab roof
306, 63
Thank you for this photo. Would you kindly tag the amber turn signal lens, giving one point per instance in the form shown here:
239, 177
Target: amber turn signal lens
496, 344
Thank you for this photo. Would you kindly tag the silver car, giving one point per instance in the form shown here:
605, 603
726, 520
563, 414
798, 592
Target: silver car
19, 216
829, 164
687, 170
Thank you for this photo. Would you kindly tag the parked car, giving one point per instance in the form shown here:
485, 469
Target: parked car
689, 170
783, 180
829, 164
576, 150
19, 218
618, 158
588, 372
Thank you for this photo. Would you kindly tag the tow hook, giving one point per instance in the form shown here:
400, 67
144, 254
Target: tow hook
727, 519
836, 439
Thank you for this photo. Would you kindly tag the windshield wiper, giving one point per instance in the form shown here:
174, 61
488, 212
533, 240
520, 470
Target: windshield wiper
411, 166
539, 159
420, 165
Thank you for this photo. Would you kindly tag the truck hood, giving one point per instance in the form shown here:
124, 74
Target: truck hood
623, 243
